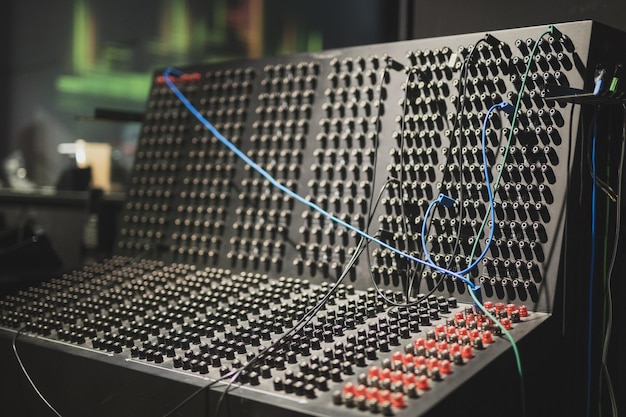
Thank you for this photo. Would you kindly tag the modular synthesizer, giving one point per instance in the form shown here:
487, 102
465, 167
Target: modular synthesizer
438, 180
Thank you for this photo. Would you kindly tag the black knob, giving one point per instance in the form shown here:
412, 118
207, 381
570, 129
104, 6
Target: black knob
266, 371
298, 387
360, 359
254, 378
278, 384
309, 390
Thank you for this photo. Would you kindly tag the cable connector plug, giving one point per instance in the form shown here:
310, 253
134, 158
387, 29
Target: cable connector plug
393, 64
556, 34
173, 71
445, 200
598, 80
492, 40
478, 295
507, 107
617, 74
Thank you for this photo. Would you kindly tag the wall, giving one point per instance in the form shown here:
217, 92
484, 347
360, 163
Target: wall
448, 17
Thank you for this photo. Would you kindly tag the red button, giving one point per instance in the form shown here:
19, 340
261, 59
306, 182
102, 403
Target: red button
348, 388
454, 348
420, 360
487, 337
443, 345
360, 391
373, 372
467, 352
419, 342
433, 363
440, 328
396, 356
499, 307
397, 400
396, 376
422, 382
384, 396
385, 374
506, 323
510, 308
372, 393
523, 311
431, 343
474, 334
444, 367
488, 305
408, 379
407, 358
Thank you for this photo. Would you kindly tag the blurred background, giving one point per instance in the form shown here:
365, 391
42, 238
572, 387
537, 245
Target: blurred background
67, 58
63, 171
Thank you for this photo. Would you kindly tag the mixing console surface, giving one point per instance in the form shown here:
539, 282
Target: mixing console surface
355, 353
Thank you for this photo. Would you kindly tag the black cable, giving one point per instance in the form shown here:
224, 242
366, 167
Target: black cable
410, 72
601, 183
463, 79
460, 110
295, 329
372, 208
234, 375
26, 374
193, 395
381, 294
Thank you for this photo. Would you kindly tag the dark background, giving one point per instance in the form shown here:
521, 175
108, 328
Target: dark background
446, 17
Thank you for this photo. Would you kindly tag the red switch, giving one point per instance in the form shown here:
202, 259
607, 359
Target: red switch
396, 376
419, 342
384, 396
422, 383
408, 379
372, 393
397, 400
348, 388
467, 352
373, 372
360, 391
419, 361
441, 346
506, 323
444, 367
523, 311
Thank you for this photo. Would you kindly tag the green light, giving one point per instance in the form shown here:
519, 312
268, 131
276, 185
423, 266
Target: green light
128, 86
315, 42
80, 40
220, 11
180, 24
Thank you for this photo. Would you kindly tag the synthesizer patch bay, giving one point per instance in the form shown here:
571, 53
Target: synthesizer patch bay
229, 297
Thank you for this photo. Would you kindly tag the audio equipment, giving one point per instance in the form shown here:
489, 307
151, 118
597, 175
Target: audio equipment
215, 265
